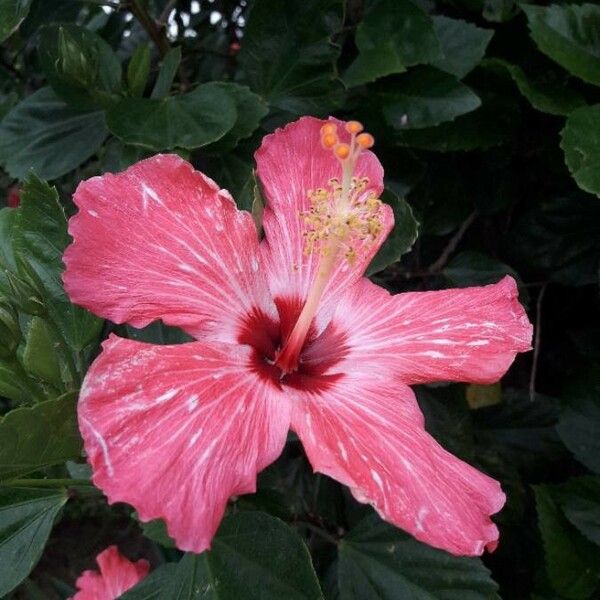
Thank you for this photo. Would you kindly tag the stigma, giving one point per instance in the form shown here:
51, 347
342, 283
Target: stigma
343, 214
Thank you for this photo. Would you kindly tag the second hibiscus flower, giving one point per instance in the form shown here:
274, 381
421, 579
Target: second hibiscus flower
288, 334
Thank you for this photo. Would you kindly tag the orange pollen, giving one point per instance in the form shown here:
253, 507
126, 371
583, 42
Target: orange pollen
329, 140
365, 140
342, 151
328, 128
354, 127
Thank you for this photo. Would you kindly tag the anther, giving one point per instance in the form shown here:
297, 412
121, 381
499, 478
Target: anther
354, 127
329, 128
365, 140
329, 140
342, 151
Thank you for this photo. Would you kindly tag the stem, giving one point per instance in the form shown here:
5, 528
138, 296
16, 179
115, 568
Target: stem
440, 263
155, 32
320, 532
536, 343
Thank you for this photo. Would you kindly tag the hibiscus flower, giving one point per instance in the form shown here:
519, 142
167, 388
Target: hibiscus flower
288, 334
116, 576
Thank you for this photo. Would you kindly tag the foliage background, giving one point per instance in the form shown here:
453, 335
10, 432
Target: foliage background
487, 120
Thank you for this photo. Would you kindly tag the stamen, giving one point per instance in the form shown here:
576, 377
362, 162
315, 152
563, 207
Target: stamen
343, 216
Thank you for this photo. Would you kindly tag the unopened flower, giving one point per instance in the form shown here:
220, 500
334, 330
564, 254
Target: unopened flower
288, 333
116, 576
13, 198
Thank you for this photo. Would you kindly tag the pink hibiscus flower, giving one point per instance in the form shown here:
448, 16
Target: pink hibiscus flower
117, 575
288, 334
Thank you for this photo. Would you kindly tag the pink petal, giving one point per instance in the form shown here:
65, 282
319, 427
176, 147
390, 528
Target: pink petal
367, 433
290, 162
117, 575
161, 241
176, 430
470, 334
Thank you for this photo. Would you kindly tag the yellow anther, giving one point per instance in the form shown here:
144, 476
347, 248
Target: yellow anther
365, 140
342, 151
329, 140
329, 128
354, 127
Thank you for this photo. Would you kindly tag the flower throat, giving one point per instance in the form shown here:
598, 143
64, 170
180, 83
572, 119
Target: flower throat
341, 217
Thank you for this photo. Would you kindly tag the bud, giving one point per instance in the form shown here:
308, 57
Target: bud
13, 198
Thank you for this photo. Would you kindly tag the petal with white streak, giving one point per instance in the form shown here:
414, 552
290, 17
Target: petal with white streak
368, 434
176, 430
162, 241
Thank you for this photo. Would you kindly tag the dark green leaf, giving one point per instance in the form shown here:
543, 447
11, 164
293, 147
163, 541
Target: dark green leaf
254, 556
463, 45
166, 75
251, 109
80, 66
571, 559
581, 145
475, 268
26, 518
236, 174
138, 70
394, 34
39, 357
402, 236
426, 97
189, 121
33, 438
546, 93
12, 12
570, 35
7, 260
288, 57
379, 562
44, 134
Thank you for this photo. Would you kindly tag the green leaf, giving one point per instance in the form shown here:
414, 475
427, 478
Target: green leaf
546, 93
236, 174
571, 559
402, 236
251, 109
80, 66
569, 35
39, 357
254, 556
40, 237
475, 268
426, 97
579, 429
581, 145
380, 562
288, 58
40, 436
393, 35
12, 13
7, 259
188, 121
138, 70
463, 45
579, 500
26, 518
166, 75
44, 134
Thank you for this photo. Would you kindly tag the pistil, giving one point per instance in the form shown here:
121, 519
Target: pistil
340, 216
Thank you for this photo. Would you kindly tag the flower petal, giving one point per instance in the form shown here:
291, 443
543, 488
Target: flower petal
290, 162
469, 334
117, 575
176, 430
161, 241
368, 434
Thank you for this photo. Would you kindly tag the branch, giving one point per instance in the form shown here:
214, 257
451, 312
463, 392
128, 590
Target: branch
439, 264
156, 33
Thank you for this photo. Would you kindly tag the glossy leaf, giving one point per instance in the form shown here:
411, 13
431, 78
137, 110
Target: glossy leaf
40, 436
462, 44
380, 562
138, 70
570, 35
12, 12
166, 75
288, 57
26, 518
402, 237
475, 268
254, 556
426, 97
581, 145
189, 121
394, 35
